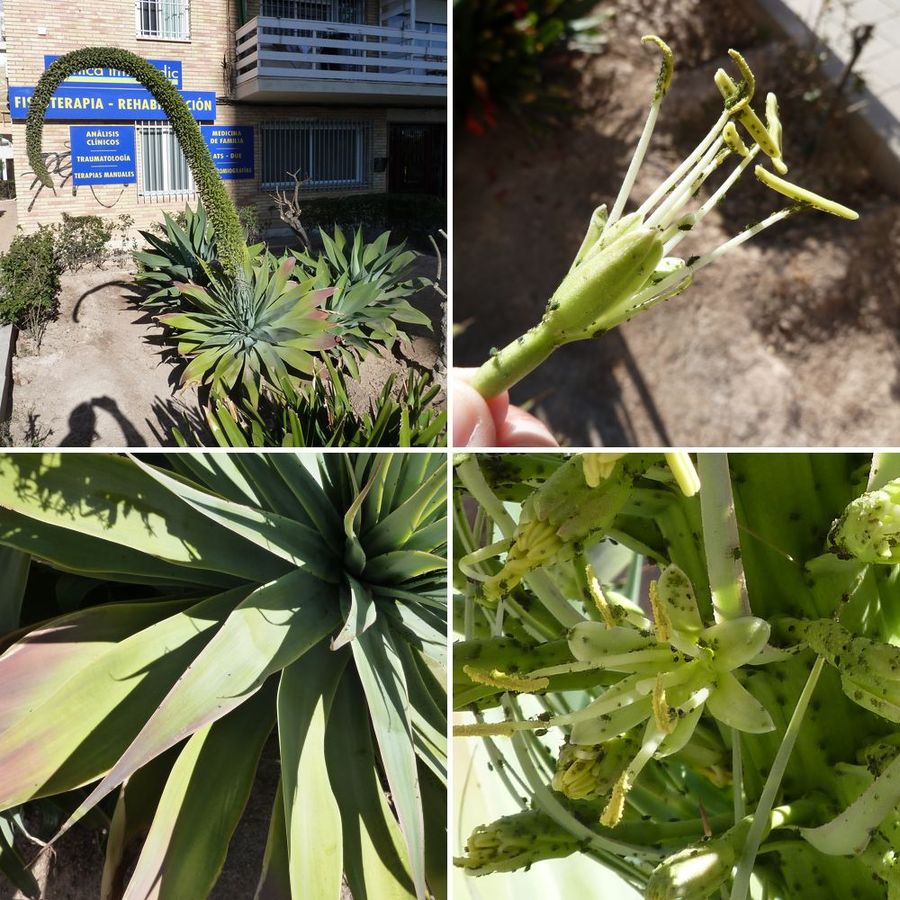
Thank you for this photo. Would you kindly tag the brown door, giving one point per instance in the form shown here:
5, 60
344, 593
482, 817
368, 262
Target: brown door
418, 159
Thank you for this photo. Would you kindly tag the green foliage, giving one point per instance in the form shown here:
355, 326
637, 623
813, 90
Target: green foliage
501, 53
181, 254
251, 592
82, 241
320, 413
409, 216
371, 282
221, 210
29, 278
249, 219
249, 332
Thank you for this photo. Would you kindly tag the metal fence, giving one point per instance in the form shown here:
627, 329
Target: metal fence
163, 173
168, 19
326, 155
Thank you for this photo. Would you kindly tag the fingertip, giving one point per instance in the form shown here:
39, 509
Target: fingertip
521, 429
473, 420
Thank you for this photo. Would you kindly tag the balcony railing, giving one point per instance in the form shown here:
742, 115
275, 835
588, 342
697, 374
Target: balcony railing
299, 52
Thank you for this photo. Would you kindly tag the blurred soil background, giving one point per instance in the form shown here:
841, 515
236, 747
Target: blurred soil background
790, 340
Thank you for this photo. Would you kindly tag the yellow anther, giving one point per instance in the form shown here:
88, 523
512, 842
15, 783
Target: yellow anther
748, 118
520, 684
664, 721
733, 140
773, 121
490, 729
598, 466
667, 67
801, 195
746, 73
682, 467
612, 815
660, 619
599, 597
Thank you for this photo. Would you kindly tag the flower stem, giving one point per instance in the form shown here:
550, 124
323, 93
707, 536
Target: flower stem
720, 538
741, 888
517, 359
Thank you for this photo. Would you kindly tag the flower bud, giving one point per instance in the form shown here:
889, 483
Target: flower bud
696, 872
869, 528
589, 771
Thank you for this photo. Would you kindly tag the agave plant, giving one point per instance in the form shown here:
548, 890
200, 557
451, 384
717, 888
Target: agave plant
251, 331
320, 413
276, 592
181, 254
371, 284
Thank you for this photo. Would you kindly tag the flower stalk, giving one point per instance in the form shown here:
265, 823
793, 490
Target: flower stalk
625, 263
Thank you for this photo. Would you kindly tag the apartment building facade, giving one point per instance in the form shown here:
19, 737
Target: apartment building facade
350, 95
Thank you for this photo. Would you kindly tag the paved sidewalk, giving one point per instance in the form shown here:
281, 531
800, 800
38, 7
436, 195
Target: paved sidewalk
878, 103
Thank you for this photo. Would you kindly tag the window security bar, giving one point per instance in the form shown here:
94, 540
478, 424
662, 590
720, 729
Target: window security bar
327, 155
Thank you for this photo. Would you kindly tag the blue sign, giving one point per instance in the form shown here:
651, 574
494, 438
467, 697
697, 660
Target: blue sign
231, 147
91, 104
103, 154
116, 78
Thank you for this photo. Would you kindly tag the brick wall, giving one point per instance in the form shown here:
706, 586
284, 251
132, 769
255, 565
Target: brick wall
70, 25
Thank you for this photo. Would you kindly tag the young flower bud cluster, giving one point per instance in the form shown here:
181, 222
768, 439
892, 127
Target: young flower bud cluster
870, 670
869, 528
590, 771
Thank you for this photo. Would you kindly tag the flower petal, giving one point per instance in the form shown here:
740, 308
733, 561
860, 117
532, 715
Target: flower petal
592, 641
604, 728
733, 705
736, 642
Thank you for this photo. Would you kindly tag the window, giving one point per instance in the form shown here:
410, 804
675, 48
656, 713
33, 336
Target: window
168, 20
163, 172
327, 154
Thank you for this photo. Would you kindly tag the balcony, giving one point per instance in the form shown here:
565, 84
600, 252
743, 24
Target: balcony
283, 60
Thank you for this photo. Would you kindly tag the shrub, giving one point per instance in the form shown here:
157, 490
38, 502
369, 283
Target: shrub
249, 219
408, 216
29, 281
81, 241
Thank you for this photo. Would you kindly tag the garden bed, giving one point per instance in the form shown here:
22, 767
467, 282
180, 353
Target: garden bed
104, 377
789, 341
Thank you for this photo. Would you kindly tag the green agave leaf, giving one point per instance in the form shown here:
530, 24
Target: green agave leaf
14, 567
280, 536
312, 814
13, 866
381, 673
76, 734
108, 497
203, 800
434, 803
135, 807
360, 614
35, 667
275, 878
395, 530
375, 861
273, 626
402, 565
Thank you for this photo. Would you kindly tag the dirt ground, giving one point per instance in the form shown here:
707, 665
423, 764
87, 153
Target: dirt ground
789, 340
105, 377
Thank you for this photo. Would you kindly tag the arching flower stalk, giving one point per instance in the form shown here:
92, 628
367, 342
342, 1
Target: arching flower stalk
626, 263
